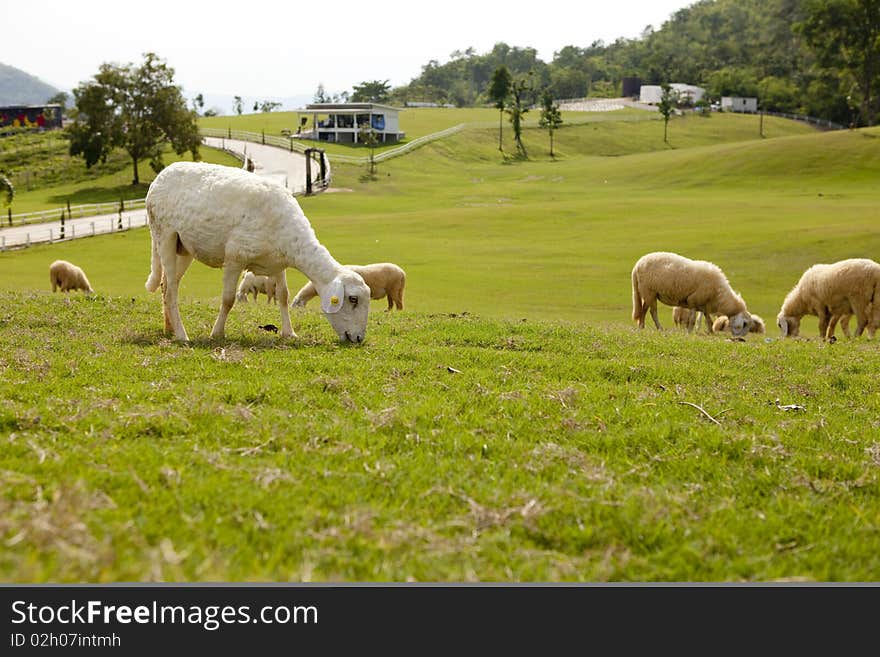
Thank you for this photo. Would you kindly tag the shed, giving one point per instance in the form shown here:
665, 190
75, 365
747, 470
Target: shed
739, 104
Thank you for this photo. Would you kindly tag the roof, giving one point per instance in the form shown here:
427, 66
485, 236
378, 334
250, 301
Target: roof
349, 107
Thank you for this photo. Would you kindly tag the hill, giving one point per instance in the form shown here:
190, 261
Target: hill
20, 88
509, 425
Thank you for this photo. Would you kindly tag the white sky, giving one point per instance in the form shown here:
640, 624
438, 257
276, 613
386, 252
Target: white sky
274, 49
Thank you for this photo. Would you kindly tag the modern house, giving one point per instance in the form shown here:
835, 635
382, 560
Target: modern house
341, 122
739, 104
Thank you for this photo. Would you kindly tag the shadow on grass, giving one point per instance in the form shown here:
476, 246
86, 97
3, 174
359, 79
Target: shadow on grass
101, 194
245, 342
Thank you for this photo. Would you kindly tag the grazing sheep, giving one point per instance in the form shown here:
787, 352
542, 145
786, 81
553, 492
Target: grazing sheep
253, 284
832, 292
722, 322
685, 318
679, 281
228, 218
383, 278
66, 276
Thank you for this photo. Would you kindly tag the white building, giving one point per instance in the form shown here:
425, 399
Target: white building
739, 104
341, 122
653, 93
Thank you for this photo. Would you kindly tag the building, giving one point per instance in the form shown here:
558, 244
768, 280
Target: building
687, 93
341, 122
40, 117
739, 104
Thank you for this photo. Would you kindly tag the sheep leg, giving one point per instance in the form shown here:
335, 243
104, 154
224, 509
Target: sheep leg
230, 280
831, 326
282, 294
654, 315
844, 325
168, 257
390, 302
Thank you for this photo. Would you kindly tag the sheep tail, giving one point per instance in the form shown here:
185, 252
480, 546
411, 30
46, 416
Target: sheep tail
637, 298
155, 278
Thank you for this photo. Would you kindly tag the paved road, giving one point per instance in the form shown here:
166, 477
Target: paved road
285, 167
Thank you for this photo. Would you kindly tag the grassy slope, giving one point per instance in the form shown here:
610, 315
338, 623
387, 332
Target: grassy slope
560, 451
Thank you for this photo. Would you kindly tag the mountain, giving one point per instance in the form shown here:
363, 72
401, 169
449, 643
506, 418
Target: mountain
20, 88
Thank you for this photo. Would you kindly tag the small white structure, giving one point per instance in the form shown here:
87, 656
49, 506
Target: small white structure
739, 104
341, 122
653, 93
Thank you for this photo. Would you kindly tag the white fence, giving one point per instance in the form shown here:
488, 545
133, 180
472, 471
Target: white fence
40, 234
86, 210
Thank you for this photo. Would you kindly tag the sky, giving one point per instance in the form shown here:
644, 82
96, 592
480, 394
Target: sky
271, 49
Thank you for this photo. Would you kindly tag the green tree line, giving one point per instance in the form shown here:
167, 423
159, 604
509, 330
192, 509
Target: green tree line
815, 57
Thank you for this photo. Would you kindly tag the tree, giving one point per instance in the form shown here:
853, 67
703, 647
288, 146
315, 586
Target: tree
499, 89
60, 98
551, 117
367, 136
374, 91
269, 105
321, 95
666, 107
520, 88
845, 35
198, 102
138, 109
237, 105
7, 189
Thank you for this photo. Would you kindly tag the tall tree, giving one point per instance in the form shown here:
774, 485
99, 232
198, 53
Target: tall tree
666, 107
845, 34
373, 91
517, 108
139, 109
551, 117
321, 95
237, 105
7, 189
499, 90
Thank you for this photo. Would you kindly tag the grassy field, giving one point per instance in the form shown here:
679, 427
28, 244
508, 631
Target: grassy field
509, 425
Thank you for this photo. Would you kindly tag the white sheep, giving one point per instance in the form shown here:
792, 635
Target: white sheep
383, 279
832, 292
722, 322
66, 276
679, 281
228, 218
253, 284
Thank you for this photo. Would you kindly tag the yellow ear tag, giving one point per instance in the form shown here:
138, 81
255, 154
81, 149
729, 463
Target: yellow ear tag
334, 300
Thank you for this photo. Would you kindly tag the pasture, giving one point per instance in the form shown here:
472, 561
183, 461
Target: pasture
509, 425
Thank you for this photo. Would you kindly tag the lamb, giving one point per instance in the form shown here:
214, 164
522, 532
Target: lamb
685, 318
383, 278
66, 276
723, 321
679, 281
253, 284
832, 292
228, 218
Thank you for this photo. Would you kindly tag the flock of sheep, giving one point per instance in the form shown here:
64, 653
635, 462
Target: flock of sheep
231, 219
832, 292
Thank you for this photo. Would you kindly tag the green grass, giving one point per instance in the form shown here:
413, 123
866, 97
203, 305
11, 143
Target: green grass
561, 449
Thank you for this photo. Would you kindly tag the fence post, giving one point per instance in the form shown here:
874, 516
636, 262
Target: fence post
263, 132
2, 242
229, 133
27, 239
129, 222
50, 235
121, 208
308, 171
62, 222
72, 231
9, 211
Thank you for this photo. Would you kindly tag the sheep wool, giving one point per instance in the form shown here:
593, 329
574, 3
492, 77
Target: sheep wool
229, 218
833, 292
66, 276
678, 281
383, 279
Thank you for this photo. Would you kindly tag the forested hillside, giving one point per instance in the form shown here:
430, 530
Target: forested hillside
795, 55
20, 88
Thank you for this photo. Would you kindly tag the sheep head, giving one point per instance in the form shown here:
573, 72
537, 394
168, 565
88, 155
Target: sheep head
345, 302
790, 325
740, 324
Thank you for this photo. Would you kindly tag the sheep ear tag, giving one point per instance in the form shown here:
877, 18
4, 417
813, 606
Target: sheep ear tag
331, 302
